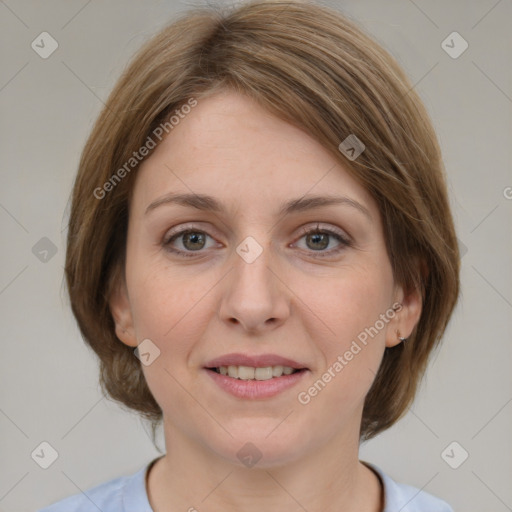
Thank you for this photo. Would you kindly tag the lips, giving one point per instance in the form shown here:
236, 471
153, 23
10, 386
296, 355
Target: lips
255, 361
255, 377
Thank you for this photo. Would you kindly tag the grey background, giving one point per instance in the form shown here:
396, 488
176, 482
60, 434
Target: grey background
49, 389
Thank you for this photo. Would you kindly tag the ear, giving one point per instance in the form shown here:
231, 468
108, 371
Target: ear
121, 311
408, 313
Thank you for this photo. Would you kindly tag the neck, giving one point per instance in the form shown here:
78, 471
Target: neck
191, 477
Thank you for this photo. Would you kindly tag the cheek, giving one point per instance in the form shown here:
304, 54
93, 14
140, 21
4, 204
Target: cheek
168, 310
349, 332
348, 306
163, 299
173, 310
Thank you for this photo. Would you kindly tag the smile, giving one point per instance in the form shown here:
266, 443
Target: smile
255, 382
252, 373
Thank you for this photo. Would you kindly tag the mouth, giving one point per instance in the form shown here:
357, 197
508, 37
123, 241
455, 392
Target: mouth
255, 377
255, 373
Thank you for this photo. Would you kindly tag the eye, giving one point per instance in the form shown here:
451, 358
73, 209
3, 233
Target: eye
192, 240
317, 240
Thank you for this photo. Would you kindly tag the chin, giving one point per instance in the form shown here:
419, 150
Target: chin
260, 443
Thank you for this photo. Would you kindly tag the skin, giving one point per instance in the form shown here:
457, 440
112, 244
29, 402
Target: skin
290, 301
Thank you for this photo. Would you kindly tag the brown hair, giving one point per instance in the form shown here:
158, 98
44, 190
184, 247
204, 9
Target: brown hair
314, 68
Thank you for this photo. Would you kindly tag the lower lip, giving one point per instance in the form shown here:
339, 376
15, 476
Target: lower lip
254, 389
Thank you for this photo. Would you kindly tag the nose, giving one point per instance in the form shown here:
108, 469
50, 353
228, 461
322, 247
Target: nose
255, 296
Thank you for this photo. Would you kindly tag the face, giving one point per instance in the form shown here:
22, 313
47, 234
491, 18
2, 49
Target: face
310, 288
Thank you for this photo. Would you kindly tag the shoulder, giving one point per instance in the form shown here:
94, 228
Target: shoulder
118, 495
405, 498
106, 496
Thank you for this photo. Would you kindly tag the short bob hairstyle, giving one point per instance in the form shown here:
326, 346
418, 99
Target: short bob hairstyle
310, 66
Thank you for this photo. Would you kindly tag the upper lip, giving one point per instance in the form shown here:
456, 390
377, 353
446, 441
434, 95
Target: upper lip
256, 361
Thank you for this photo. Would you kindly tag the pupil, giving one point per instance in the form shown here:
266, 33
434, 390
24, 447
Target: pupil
316, 237
194, 238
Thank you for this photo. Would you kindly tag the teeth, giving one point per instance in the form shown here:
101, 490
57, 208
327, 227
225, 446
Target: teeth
277, 371
263, 373
250, 373
245, 372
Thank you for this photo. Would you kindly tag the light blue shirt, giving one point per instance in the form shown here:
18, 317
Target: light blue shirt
128, 494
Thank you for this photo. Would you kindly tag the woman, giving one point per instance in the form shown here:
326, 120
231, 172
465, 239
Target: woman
262, 254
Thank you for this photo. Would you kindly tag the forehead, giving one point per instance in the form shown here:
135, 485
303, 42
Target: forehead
231, 148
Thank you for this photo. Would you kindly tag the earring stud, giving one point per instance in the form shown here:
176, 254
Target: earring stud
400, 337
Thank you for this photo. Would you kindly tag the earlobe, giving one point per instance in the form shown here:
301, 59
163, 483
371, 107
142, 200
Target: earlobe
406, 318
121, 313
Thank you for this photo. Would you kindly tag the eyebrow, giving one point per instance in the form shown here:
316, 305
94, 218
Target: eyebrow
208, 203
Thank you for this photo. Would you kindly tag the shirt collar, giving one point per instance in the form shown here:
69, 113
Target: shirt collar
135, 495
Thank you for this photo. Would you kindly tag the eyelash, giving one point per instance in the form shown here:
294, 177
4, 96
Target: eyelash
344, 241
